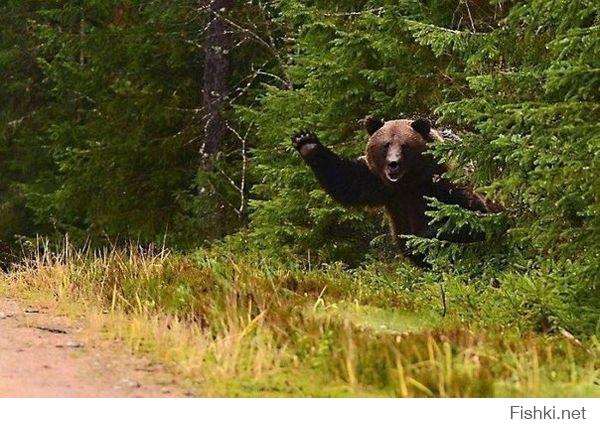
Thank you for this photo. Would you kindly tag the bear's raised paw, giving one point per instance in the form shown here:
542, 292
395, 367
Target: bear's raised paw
306, 143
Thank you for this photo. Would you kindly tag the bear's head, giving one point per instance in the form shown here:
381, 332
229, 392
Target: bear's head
396, 147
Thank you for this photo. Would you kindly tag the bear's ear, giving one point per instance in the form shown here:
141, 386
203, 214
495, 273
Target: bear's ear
372, 124
422, 126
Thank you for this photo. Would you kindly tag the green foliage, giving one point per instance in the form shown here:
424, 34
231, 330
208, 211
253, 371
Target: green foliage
22, 93
113, 132
349, 63
102, 134
533, 114
101, 126
519, 81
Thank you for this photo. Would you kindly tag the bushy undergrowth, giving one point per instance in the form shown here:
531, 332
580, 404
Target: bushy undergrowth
101, 132
249, 327
517, 81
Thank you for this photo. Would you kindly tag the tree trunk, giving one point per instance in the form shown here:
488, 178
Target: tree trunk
217, 71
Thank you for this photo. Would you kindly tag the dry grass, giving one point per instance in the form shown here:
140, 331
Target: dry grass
236, 330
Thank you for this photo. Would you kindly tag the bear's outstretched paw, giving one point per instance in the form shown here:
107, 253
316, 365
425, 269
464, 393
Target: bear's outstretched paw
306, 143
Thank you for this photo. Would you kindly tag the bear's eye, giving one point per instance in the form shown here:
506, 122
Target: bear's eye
387, 145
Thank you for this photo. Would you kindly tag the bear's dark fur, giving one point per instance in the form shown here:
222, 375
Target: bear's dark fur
395, 174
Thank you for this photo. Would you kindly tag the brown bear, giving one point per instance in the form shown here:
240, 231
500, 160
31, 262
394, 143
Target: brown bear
395, 174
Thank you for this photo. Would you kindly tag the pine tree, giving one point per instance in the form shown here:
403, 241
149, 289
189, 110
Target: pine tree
518, 81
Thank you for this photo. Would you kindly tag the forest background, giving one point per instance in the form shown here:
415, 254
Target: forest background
167, 124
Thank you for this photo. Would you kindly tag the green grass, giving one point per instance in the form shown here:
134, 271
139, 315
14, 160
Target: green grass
240, 327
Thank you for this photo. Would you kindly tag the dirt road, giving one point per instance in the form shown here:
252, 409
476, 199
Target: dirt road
44, 355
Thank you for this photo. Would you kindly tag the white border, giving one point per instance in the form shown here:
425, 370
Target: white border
286, 413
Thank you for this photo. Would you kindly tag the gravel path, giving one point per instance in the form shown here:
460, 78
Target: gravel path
43, 355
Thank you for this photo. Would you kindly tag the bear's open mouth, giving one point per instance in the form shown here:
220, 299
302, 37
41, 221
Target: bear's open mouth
393, 176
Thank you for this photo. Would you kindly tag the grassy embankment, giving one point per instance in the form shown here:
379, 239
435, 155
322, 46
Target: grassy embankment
236, 328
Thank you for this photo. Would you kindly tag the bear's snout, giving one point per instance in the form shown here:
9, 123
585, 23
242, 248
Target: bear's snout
393, 170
